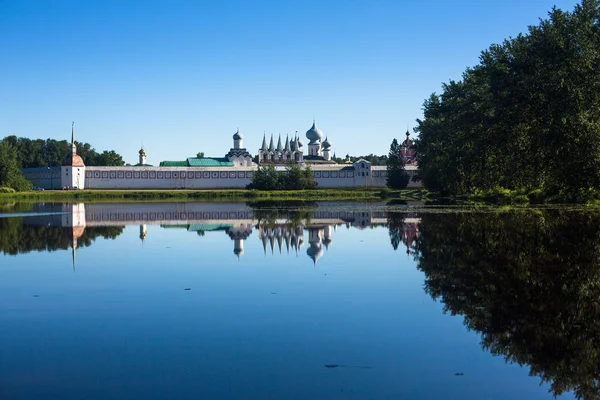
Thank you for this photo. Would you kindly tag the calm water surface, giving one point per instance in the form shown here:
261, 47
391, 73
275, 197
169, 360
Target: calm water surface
318, 301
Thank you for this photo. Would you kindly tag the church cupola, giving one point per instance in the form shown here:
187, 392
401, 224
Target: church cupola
314, 134
238, 140
142, 159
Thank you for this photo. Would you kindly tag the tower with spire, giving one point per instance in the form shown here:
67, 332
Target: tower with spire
72, 174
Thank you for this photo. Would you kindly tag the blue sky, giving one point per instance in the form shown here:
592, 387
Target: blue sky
181, 76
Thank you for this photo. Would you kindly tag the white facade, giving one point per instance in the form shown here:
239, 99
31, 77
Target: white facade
72, 177
359, 174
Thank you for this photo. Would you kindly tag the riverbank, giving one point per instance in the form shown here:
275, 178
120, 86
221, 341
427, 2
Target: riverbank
207, 195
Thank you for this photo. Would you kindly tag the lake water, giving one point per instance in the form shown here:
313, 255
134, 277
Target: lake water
297, 301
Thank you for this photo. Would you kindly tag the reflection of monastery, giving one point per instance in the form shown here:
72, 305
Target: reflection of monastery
234, 170
238, 221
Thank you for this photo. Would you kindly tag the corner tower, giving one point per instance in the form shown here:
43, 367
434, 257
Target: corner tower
72, 171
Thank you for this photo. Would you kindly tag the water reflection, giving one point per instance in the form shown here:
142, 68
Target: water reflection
528, 282
308, 230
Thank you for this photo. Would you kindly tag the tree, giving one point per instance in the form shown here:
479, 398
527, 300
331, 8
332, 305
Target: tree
293, 178
110, 158
397, 178
10, 175
296, 178
524, 118
200, 155
265, 178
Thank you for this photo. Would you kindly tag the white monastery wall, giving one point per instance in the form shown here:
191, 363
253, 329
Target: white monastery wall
326, 176
334, 176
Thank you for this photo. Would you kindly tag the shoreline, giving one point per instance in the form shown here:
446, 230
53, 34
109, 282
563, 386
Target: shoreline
217, 194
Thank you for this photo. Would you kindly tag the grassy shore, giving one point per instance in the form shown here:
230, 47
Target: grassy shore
216, 195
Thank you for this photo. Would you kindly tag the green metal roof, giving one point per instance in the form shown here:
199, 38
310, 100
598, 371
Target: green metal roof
173, 164
208, 227
209, 162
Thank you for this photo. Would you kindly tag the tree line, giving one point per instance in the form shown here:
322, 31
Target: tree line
526, 118
34, 153
17, 153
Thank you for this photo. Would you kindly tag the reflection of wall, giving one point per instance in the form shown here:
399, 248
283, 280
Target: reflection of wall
238, 221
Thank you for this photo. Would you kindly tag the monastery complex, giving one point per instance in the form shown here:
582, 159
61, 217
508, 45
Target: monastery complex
234, 170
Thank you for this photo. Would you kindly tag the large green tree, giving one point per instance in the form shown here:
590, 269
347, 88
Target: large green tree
396, 174
10, 175
525, 118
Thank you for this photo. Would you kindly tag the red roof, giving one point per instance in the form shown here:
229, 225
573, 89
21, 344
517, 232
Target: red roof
73, 160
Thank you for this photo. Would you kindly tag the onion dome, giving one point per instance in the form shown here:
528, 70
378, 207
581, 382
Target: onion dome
299, 144
314, 252
314, 134
142, 152
326, 144
407, 142
238, 135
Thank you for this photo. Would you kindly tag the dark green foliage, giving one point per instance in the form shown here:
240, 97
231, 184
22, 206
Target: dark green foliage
372, 158
526, 118
10, 175
528, 282
265, 178
294, 178
396, 174
46, 153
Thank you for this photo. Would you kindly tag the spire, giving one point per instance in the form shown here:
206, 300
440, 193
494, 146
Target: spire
73, 254
279, 147
264, 143
271, 145
287, 143
73, 147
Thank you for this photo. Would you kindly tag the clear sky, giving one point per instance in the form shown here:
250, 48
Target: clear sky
181, 76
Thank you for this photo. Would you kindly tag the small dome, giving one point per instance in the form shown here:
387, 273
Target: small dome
314, 134
326, 144
142, 152
238, 135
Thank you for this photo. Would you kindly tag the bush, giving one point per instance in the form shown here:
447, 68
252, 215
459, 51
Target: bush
294, 178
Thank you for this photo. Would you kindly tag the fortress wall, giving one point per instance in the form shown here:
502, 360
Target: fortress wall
326, 176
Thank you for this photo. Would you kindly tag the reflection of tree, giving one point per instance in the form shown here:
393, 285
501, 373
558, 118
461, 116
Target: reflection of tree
528, 282
17, 238
294, 212
395, 224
